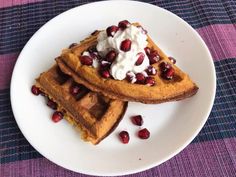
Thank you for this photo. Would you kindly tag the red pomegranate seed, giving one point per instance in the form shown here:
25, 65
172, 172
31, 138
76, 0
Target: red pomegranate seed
124, 137
52, 104
147, 50
57, 116
164, 66
86, 60
94, 55
140, 78
111, 56
105, 74
153, 57
35, 90
149, 81
151, 70
143, 133
74, 90
130, 76
172, 60
123, 24
126, 45
140, 58
111, 30
168, 74
137, 120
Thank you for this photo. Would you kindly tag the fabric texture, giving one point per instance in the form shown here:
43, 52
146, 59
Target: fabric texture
212, 153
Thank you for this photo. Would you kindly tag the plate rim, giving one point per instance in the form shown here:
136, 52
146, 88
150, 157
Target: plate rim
147, 166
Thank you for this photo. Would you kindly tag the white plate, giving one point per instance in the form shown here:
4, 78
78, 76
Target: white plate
172, 125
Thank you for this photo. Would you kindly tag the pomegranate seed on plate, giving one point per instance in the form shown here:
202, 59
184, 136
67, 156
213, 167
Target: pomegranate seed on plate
57, 116
137, 120
35, 90
143, 133
124, 137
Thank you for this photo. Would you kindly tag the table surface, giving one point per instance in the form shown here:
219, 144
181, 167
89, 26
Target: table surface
212, 153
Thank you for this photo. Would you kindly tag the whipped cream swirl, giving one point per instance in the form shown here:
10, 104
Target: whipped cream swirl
125, 61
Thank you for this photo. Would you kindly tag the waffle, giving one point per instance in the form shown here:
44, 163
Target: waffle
94, 115
180, 87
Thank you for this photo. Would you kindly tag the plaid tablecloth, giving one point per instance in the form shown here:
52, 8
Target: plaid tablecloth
213, 151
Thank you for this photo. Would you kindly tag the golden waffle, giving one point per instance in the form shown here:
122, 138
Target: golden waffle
95, 115
180, 87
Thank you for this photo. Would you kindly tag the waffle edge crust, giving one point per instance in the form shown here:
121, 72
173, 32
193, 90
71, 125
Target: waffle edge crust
94, 115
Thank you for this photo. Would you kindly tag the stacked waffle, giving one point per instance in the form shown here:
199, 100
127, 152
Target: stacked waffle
101, 101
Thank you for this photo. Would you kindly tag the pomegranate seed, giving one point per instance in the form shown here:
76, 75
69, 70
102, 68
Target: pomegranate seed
172, 60
137, 120
140, 78
35, 90
123, 24
140, 58
168, 74
165, 66
72, 45
153, 57
130, 76
111, 56
151, 70
126, 45
147, 50
124, 137
94, 55
150, 81
57, 116
143, 133
86, 60
105, 74
111, 30
74, 90
52, 104
142, 29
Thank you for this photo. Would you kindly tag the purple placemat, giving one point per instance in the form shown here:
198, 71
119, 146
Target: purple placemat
211, 154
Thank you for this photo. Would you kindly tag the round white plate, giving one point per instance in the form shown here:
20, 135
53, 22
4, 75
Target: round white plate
172, 125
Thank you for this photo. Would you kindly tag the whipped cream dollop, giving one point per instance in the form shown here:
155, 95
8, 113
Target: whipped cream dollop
125, 61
